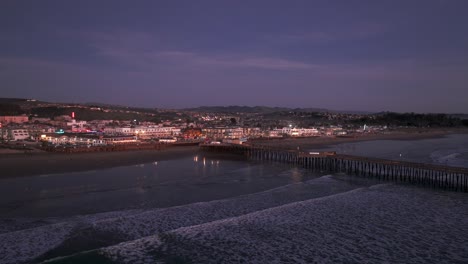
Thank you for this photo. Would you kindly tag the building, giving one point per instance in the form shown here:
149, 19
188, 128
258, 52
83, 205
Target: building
155, 132
77, 126
252, 132
79, 139
14, 119
18, 134
40, 120
119, 139
224, 132
192, 133
145, 132
297, 132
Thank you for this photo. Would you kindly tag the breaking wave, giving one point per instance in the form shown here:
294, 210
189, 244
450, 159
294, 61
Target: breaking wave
50, 238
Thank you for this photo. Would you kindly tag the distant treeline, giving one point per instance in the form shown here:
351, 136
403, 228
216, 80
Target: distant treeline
412, 120
10, 109
300, 118
88, 114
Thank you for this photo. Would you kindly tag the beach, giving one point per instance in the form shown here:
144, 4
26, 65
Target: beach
208, 209
321, 142
16, 164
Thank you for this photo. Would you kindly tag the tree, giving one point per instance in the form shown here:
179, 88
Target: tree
233, 121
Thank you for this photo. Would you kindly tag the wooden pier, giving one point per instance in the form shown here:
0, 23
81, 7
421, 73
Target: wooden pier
436, 176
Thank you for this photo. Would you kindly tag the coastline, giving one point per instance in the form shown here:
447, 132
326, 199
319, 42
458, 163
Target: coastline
20, 164
323, 142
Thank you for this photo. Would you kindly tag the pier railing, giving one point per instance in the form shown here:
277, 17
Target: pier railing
436, 176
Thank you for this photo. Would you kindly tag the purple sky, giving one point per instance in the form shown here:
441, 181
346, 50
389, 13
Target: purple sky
405, 56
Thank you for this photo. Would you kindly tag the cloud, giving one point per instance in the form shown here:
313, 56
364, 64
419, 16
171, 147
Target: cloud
238, 61
274, 63
145, 52
348, 32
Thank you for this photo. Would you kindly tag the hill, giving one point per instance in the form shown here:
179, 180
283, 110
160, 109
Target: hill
250, 109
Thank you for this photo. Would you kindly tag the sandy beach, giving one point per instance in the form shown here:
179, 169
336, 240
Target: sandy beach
16, 165
321, 142
20, 164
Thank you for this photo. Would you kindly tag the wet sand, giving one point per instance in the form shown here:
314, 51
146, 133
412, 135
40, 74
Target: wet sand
16, 165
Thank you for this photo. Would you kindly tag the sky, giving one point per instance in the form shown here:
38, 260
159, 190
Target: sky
363, 55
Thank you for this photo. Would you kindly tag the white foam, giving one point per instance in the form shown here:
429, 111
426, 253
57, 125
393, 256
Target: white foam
450, 157
25, 245
134, 224
384, 223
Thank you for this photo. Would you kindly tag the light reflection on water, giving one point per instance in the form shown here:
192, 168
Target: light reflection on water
154, 184
192, 179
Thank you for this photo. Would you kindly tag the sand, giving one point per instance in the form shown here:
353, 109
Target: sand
15, 165
321, 142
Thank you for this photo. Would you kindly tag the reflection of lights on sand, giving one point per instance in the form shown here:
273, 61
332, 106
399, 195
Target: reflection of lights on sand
217, 162
204, 162
212, 162
155, 163
195, 158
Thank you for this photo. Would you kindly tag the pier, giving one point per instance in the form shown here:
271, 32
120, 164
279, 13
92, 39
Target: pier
435, 176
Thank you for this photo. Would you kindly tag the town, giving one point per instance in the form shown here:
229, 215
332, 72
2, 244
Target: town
39, 127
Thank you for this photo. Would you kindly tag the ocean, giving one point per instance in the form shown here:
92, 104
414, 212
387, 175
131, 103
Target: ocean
208, 209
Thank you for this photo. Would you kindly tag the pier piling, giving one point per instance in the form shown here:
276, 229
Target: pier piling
435, 176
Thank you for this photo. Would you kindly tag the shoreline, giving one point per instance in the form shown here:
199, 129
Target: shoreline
325, 142
24, 165
33, 164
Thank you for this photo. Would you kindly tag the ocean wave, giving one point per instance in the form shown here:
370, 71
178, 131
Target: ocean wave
453, 157
384, 223
81, 234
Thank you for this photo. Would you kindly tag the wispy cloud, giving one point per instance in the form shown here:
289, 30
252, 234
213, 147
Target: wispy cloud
229, 60
145, 52
142, 53
349, 32
274, 63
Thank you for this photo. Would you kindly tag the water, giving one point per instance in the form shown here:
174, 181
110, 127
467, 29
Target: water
451, 150
155, 184
231, 211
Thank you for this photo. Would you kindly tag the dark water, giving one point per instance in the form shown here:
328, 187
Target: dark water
156, 184
231, 211
451, 150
